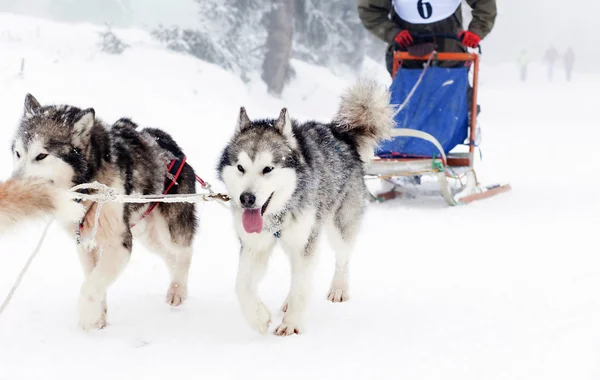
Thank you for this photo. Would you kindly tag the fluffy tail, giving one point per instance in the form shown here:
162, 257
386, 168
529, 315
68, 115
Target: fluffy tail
22, 200
365, 111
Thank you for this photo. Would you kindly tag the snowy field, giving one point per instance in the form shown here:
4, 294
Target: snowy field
503, 289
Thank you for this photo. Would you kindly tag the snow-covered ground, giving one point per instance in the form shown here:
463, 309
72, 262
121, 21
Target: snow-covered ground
503, 289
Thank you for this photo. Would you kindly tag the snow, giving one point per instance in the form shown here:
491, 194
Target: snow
501, 289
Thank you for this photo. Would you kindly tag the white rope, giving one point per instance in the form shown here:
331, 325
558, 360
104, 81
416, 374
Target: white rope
107, 194
25, 268
411, 93
90, 243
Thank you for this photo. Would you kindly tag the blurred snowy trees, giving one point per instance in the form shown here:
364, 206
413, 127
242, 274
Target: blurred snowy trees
251, 36
110, 43
247, 37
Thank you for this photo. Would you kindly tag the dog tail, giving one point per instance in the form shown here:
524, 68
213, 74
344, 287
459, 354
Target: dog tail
23, 200
366, 113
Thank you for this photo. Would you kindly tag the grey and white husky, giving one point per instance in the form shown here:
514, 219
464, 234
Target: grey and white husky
287, 182
69, 146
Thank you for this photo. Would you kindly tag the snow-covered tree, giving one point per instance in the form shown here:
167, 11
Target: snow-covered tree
230, 33
110, 43
331, 33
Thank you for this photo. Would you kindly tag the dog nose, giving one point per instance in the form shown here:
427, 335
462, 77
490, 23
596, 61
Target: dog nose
247, 200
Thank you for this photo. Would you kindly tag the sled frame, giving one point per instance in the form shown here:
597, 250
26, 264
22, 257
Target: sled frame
387, 168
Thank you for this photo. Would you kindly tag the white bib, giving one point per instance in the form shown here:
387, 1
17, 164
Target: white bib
425, 11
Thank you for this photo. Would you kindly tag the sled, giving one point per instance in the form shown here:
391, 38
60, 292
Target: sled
435, 119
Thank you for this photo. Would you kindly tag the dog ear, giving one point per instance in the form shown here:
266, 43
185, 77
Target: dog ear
243, 120
32, 106
284, 123
82, 128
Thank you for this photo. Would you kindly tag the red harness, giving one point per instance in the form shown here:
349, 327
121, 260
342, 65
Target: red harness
174, 169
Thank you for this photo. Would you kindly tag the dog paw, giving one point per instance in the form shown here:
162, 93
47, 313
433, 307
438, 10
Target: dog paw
338, 294
92, 315
287, 329
258, 317
176, 294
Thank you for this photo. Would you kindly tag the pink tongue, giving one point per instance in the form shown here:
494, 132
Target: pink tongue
252, 220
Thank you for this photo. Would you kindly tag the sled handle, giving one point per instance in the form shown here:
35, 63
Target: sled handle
431, 37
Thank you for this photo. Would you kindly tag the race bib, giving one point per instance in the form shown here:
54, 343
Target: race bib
425, 11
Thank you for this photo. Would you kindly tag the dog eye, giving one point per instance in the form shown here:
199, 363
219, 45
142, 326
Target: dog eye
18, 154
41, 156
241, 168
267, 169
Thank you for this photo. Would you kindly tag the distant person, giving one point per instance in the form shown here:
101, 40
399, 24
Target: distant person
569, 60
550, 58
398, 22
523, 63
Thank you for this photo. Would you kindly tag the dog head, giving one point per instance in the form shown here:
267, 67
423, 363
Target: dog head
258, 167
51, 142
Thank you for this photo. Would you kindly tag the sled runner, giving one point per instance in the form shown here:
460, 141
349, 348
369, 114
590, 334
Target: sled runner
438, 113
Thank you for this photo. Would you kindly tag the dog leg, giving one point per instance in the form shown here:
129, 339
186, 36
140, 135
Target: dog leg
342, 246
284, 307
177, 292
174, 250
302, 265
88, 259
92, 306
342, 230
251, 270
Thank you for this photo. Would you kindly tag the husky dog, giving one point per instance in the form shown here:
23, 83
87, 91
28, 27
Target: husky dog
289, 180
22, 200
70, 146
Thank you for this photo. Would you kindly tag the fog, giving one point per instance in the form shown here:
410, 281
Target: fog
536, 24
532, 25
503, 288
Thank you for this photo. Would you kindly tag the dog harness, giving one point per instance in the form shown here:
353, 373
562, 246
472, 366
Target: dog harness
173, 171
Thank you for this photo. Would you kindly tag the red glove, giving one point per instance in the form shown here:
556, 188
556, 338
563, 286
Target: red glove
469, 39
404, 39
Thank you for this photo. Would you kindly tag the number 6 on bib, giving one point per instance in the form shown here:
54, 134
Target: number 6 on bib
425, 9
